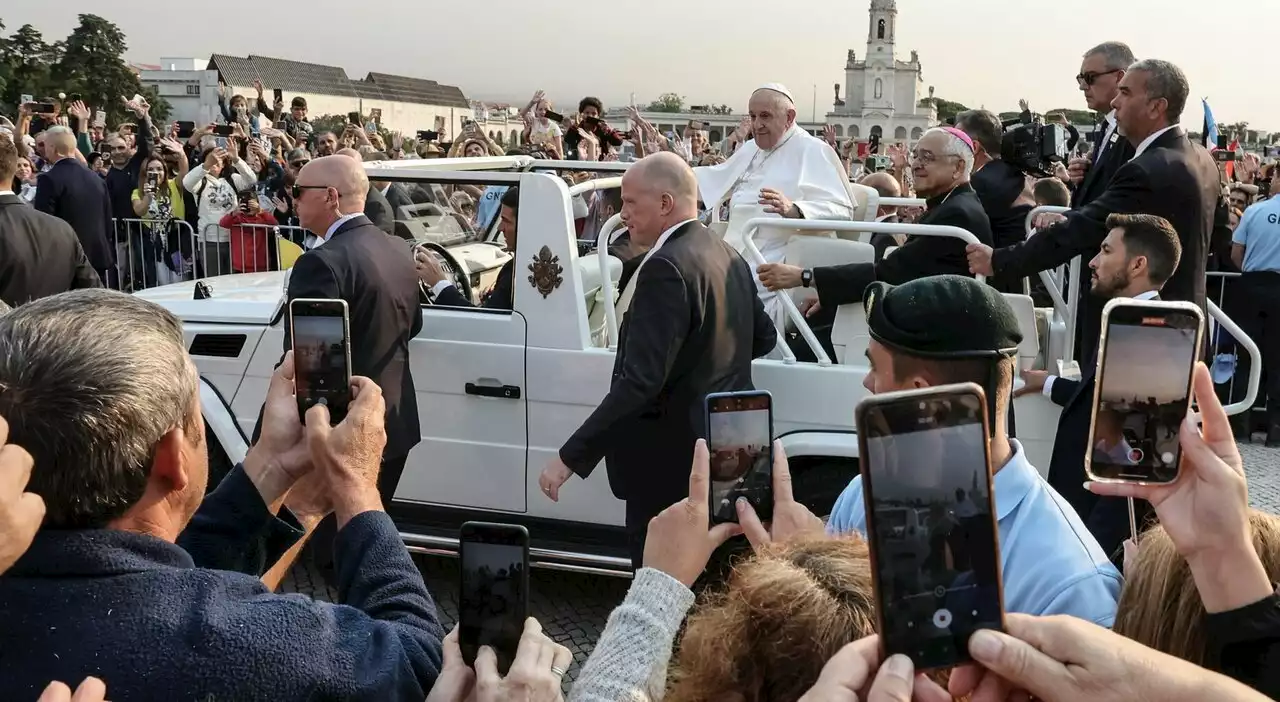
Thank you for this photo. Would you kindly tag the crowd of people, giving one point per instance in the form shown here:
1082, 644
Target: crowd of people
127, 562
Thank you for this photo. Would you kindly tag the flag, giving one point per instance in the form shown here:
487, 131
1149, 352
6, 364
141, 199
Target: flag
1234, 146
1210, 130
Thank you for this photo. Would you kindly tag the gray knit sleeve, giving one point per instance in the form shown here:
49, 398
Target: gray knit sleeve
629, 662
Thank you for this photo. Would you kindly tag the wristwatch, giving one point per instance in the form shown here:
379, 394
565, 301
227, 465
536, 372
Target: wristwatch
806, 277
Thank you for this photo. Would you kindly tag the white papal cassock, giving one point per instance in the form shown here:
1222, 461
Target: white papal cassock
802, 167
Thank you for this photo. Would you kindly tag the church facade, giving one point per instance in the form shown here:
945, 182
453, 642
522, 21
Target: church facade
882, 93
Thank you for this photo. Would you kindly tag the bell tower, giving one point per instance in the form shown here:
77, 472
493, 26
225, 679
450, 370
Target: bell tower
883, 27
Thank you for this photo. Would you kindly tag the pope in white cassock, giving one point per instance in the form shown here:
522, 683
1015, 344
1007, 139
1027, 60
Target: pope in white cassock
783, 172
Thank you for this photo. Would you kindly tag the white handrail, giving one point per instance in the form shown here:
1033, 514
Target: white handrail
753, 225
598, 166
606, 282
1052, 282
902, 202
1255, 359
587, 186
481, 163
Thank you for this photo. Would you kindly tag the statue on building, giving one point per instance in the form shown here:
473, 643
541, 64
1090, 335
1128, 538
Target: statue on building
852, 60
915, 56
839, 102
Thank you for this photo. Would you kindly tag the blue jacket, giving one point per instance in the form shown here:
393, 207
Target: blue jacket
155, 622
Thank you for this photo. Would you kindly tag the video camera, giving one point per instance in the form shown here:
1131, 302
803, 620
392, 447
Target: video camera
1033, 146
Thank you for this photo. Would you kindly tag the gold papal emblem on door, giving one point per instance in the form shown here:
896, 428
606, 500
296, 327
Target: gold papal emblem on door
546, 273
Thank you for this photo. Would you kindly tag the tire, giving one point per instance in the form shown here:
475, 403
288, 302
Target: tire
219, 463
817, 482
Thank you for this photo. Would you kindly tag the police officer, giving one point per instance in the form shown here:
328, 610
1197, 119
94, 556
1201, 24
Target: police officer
1255, 249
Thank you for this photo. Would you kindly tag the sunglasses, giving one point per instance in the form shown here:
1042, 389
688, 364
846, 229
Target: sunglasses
297, 189
298, 164
1091, 78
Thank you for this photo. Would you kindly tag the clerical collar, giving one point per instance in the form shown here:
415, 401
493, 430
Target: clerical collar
937, 200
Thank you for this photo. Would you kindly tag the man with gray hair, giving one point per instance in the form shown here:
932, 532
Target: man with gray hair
1099, 79
1169, 176
72, 192
941, 165
140, 578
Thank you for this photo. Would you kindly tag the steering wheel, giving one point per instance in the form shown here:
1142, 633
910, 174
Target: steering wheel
453, 271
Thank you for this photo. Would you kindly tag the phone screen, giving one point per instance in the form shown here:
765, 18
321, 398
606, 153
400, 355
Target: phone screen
223, 130
277, 95
931, 522
494, 590
322, 356
740, 440
554, 116
1143, 392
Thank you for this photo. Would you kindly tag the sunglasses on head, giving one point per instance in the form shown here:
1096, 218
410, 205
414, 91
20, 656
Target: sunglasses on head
1091, 78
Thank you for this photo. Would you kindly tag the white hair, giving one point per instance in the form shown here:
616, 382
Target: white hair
955, 147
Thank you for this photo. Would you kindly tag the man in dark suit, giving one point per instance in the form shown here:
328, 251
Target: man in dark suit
39, 254
999, 185
373, 271
941, 166
693, 325
1169, 177
500, 298
73, 193
376, 207
1136, 259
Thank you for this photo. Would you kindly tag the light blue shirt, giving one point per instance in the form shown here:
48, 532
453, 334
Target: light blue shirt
487, 208
1259, 233
1050, 562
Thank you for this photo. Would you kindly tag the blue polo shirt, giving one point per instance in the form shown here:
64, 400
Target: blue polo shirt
1259, 233
1050, 562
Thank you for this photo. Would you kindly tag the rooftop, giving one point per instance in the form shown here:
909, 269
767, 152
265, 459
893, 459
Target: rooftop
319, 79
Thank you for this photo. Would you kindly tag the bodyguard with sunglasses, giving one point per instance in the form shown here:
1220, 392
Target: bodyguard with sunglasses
1099, 79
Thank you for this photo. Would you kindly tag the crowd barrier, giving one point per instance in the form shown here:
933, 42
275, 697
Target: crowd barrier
152, 252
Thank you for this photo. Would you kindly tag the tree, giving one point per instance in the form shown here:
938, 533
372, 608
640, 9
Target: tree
28, 60
1073, 116
667, 102
946, 108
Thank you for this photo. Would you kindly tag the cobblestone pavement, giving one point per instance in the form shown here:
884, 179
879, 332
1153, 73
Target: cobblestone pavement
573, 608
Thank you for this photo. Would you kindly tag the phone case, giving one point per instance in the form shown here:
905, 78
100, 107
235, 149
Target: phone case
1100, 364
860, 420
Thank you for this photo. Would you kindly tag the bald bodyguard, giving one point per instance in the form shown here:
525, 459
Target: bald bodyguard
692, 326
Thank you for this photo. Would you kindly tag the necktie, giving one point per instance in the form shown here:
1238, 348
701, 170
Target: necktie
1102, 138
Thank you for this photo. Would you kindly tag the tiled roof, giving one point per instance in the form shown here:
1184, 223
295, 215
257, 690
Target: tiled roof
331, 80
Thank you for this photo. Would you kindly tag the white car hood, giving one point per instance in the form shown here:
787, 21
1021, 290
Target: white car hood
251, 298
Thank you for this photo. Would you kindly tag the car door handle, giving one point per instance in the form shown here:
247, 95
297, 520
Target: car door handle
509, 392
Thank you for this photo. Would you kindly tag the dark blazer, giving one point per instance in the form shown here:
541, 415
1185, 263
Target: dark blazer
998, 186
1107, 518
76, 194
499, 298
374, 273
921, 256
40, 255
160, 621
693, 327
1244, 644
379, 211
1110, 157
1174, 179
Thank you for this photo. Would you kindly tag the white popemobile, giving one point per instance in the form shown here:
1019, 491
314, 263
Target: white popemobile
499, 392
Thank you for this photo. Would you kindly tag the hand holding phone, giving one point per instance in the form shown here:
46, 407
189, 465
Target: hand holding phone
321, 333
740, 439
493, 590
930, 520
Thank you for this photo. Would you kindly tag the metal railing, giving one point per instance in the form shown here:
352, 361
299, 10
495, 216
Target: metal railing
606, 282
754, 225
1065, 309
1236, 343
153, 252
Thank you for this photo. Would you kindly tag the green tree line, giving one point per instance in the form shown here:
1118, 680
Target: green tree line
90, 62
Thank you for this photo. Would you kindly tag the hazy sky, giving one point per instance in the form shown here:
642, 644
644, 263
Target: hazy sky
981, 52
1147, 362
735, 429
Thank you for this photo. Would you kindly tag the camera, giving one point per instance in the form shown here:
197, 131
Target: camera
1033, 146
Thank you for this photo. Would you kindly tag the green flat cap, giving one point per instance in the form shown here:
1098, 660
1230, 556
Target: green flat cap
942, 316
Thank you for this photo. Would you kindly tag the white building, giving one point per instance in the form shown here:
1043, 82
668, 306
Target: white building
882, 93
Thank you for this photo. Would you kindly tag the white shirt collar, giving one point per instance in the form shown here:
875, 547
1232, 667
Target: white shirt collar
1148, 141
6, 192
314, 242
1111, 120
667, 235
1148, 295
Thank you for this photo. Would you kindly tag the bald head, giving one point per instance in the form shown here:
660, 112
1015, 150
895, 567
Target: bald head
329, 174
883, 183
658, 192
350, 153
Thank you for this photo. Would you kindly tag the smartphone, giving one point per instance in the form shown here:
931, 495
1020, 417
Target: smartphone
26, 99
493, 590
153, 180
590, 122
353, 118
931, 521
186, 129
321, 332
695, 124
740, 440
428, 135
277, 95
554, 116
281, 125
1143, 389
100, 118
223, 130
44, 108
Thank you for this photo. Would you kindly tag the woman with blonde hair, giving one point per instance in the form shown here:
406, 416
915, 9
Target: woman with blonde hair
1160, 606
